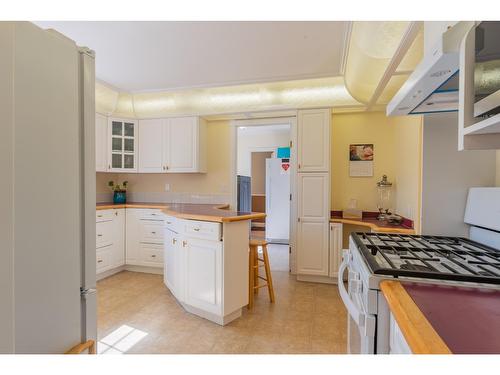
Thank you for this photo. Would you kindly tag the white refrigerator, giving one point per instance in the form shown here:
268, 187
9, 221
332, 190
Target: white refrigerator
47, 200
277, 200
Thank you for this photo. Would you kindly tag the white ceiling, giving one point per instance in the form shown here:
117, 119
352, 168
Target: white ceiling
150, 56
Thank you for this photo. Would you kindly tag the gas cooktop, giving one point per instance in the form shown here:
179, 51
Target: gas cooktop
433, 257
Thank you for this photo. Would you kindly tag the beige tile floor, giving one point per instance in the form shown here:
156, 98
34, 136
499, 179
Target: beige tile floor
137, 314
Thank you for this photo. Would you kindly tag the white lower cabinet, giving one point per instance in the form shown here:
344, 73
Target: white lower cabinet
144, 237
335, 249
397, 342
203, 274
206, 267
313, 224
110, 239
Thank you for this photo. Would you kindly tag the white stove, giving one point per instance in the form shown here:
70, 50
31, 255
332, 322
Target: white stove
373, 257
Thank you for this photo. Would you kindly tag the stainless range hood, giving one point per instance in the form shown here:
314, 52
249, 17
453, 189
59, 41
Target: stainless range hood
433, 85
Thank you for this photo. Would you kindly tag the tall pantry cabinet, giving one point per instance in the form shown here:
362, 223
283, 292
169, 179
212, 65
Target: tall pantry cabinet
313, 193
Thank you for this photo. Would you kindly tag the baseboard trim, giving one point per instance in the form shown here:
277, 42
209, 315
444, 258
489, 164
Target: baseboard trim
131, 268
221, 320
144, 269
317, 279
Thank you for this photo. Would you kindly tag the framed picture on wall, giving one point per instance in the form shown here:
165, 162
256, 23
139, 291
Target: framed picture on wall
361, 160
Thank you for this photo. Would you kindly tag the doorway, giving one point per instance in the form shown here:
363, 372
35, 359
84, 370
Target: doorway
263, 184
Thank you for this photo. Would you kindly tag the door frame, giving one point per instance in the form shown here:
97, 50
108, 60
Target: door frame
289, 120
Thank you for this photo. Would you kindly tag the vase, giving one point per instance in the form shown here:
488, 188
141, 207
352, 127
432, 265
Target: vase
119, 197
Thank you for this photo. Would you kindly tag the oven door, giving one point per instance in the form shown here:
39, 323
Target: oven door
361, 326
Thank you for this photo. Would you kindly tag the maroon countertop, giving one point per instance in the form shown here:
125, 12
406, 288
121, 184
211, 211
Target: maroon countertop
370, 219
467, 319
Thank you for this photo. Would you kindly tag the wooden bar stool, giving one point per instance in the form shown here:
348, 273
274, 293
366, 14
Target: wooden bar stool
253, 270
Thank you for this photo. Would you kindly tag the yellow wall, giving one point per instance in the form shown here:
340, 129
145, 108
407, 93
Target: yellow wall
371, 127
215, 181
397, 153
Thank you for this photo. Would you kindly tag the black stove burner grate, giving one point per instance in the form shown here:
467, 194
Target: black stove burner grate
438, 257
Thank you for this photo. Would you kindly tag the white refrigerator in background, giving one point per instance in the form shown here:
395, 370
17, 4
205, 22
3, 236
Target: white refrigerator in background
277, 200
47, 200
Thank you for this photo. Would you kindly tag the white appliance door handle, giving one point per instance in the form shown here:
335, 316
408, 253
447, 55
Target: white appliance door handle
350, 306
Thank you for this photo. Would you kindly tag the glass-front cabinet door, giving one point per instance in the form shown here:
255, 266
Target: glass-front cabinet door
123, 147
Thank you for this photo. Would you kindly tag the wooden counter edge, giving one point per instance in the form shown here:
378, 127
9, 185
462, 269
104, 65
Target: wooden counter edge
165, 208
421, 337
374, 226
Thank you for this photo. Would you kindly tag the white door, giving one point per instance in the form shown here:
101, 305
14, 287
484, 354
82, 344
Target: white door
101, 143
277, 200
151, 146
181, 140
122, 145
203, 266
312, 225
313, 140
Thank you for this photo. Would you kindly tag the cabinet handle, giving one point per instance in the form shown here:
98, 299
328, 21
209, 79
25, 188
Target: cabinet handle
174, 241
164, 167
153, 232
169, 222
99, 215
167, 167
184, 243
116, 213
99, 235
299, 165
99, 261
196, 229
109, 166
153, 256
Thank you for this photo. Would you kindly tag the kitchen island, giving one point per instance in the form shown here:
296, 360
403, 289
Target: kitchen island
202, 248
443, 319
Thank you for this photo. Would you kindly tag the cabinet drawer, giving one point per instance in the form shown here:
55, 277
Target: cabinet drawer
104, 233
152, 254
104, 215
103, 258
151, 231
171, 223
151, 214
202, 229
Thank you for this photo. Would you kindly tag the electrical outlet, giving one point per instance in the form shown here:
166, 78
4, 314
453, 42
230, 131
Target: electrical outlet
167, 187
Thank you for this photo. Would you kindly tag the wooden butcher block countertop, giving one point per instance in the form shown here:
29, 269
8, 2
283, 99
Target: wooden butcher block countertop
374, 224
444, 319
191, 211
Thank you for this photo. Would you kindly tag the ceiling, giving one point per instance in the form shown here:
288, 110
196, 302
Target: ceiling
152, 56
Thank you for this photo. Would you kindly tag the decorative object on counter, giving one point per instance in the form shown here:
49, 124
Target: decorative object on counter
119, 191
395, 219
384, 189
352, 212
361, 160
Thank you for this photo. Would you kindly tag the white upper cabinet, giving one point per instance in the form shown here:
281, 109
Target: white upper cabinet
122, 145
151, 146
174, 145
313, 140
184, 140
101, 143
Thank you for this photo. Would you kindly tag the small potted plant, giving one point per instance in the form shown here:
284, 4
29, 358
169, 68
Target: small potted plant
119, 191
